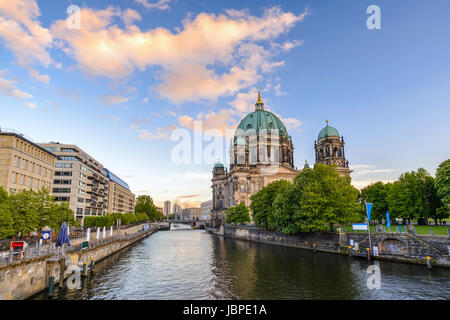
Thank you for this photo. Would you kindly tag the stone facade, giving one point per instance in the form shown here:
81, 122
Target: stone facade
24, 164
329, 149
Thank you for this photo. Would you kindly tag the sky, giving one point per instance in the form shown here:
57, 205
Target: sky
124, 78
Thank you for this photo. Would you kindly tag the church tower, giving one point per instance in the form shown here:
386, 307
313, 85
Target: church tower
329, 149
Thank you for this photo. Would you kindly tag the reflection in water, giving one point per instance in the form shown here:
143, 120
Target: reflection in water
197, 265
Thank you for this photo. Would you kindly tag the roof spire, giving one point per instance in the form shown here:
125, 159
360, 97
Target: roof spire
259, 104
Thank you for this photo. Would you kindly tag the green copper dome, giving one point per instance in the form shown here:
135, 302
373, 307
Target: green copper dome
328, 132
218, 165
260, 120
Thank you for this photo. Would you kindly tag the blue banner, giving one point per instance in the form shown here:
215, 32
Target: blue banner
369, 208
388, 223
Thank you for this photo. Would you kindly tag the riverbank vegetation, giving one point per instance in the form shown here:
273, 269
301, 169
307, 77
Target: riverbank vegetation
319, 199
238, 214
112, 219
29, 211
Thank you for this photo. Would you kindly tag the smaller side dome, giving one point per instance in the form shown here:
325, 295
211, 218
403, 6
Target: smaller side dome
218, 165
328, 132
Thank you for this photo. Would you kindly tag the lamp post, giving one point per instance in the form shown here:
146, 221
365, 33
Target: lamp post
369, 209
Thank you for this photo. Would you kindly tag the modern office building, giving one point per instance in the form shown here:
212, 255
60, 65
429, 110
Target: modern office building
23, 163
120, 197
166, 208
205, 209
80, 180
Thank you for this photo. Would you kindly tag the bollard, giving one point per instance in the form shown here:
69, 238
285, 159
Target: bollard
350, 251
314, 247
429, 263
92, 264
84, 268
51, 282
368, 253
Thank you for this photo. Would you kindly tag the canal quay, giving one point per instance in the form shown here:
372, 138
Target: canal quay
195, 264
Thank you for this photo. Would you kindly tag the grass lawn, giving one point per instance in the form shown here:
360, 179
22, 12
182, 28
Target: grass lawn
437, 230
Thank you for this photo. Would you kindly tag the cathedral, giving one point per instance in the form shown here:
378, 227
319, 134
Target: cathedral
262, 152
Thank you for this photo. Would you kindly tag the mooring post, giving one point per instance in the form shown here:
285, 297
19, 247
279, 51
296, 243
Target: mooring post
61, 272
84, 268
92, 264
429, 263
350, 251
368, 253
314, 247
51, 283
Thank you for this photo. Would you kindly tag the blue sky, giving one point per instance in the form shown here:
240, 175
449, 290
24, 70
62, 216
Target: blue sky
138, 69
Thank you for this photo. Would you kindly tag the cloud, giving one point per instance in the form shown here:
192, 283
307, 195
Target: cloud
161, 133
23, 34
137, 123
160, 4
70, 93
112, 99
8, 88
44, 78
113, 118
364, 174
130, 16
208, 57
31, 105
145, 100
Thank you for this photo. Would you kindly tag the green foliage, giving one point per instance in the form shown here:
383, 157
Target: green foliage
413, 196
111, 219
318, 199
28, 210
238, 214
144, 204
6, 218
442, 181
376, 194
262, 202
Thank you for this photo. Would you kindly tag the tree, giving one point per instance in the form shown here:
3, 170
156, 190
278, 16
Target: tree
238, 214
377, 193
6, 219
442, 186
144, 204
262, 202
318, 199
413, 196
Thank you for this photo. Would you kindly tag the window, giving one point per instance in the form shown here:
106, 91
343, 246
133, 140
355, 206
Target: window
82, 184
79, 210
16, 161
67, 150
38, 169
31, 166
62, 181
22, 179
81, 192
68, 158
81, 200
30, 181
87, 212
51, 149
24, 164
83, 168
62, 199
43, 171
63, 165
36, 183
61, 190
14, 177
63, 173
83, 176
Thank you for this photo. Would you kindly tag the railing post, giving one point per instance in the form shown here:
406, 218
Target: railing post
431, 231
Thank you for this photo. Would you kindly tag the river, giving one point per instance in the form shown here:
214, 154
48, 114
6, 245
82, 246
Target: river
193, 264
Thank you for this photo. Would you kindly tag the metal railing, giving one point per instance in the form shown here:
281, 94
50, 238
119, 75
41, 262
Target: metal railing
38, 250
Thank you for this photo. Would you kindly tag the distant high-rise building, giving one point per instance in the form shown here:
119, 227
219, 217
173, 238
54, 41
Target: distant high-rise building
24, 164
120, 199
205, 209
166, 208
80, 180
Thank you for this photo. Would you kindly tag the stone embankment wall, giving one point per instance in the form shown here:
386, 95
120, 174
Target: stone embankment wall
22, 279
403, 247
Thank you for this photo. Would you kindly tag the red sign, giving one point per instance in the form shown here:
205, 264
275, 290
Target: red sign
17, 245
